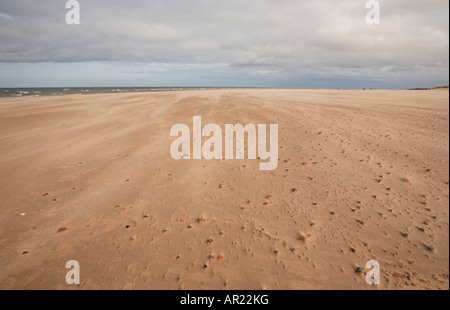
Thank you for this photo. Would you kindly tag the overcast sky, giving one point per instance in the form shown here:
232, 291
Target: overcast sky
266, 43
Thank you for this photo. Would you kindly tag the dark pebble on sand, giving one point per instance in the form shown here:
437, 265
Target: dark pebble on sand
62, 229
429, 248
358, 270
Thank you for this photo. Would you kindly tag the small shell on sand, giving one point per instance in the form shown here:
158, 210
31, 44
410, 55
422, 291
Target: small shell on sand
397, 275
62, 229
201, 219
303, 237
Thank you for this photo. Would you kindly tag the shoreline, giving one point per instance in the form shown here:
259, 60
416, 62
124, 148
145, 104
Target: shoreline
4, 92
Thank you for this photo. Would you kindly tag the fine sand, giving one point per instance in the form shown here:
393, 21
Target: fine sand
362, 175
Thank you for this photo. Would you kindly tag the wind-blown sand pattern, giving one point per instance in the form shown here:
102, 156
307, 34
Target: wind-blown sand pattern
362, 175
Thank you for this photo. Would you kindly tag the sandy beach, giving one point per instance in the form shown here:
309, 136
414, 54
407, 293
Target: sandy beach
362, 175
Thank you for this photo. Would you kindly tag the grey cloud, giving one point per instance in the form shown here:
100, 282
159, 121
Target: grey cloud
294, 36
